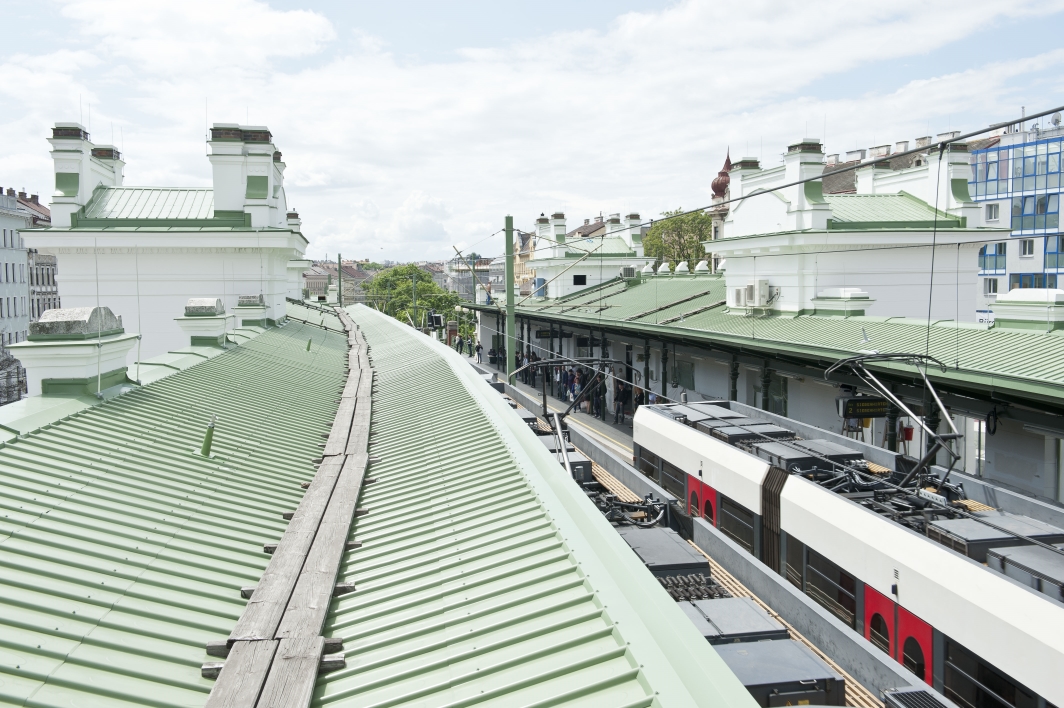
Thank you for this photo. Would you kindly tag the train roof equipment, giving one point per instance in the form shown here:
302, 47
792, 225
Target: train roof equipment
974, 538
784, 673
733, 619
663, 552
1035, 567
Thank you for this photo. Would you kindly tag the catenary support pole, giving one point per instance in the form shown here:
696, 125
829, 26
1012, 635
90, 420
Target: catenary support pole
733, 375
511, 326
339, 279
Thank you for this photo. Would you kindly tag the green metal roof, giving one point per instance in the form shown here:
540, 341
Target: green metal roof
885, 209
486, 577
122, 551
1024, 363
150, 203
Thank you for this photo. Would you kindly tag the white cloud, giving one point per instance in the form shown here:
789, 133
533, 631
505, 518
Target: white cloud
634, 117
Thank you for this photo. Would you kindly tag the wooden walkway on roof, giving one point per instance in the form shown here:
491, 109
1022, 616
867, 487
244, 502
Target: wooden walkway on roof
276, 649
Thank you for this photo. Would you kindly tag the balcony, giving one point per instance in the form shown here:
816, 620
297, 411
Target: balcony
995, 262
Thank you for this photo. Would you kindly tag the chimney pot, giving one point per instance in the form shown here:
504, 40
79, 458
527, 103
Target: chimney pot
33, 198
10, 191
23, 195
587, 221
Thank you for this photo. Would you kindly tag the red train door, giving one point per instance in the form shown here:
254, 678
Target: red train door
879, 620
914, 645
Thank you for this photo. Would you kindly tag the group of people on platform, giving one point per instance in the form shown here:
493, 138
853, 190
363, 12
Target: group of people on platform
571, 381
474, 348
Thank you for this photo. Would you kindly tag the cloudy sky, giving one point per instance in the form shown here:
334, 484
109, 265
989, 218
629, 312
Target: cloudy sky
412, 125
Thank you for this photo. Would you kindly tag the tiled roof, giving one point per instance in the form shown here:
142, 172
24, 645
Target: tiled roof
485, 575
122, 551
150, 203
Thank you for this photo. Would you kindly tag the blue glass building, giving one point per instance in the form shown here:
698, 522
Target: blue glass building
1017, 179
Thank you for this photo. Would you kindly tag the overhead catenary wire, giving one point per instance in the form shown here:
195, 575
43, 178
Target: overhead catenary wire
849, 168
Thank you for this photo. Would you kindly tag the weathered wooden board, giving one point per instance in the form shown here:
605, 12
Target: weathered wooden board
263, 612
243, 676
293, 674
309, 602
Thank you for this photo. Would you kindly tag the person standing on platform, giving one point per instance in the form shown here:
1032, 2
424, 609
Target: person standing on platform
459, 344
480, 353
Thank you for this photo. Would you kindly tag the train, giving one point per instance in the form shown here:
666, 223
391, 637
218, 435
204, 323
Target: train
841, 530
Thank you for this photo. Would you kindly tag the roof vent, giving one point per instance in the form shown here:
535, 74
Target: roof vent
702, 267
204, 307
682, 268
664, 269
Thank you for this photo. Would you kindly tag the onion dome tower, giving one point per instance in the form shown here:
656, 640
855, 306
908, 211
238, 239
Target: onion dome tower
721, 181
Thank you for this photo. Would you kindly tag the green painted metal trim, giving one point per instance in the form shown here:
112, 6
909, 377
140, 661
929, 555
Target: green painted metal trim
950, 222
67, 183
814, 192
1030, 325
257, 187
959, 187
80, 222
208, 341
74, 387
74, 336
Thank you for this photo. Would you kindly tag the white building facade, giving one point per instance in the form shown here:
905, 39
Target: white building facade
566, 262
798, 251
14, 290
145, 251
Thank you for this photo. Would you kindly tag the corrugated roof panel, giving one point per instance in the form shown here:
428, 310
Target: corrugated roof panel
1031, 357
475, 583
151, 203
122, 551
882, 208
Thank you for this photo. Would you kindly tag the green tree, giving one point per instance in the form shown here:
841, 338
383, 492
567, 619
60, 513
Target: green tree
679, 238
392, 291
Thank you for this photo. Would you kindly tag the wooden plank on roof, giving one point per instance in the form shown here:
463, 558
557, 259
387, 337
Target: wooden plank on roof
263, 613
293, 673
243, 676
309, 603
359, 440
351, 388
341, 427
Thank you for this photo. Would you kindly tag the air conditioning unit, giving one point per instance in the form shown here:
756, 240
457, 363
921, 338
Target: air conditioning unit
739, 297
757, 293
628, 272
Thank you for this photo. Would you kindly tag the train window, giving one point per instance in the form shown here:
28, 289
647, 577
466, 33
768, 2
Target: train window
694, 504
672, 479
831, 587
795, 561
707, 510
971, 683
912, 656
648, 463
879, 633
737, 523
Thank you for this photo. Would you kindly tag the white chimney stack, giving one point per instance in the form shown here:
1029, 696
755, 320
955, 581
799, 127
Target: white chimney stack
80, 167
248, 174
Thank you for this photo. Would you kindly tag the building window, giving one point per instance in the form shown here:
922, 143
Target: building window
1032, 280
992, 210
579, 280
1027, 248
992, 257
685, 374
990, 286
